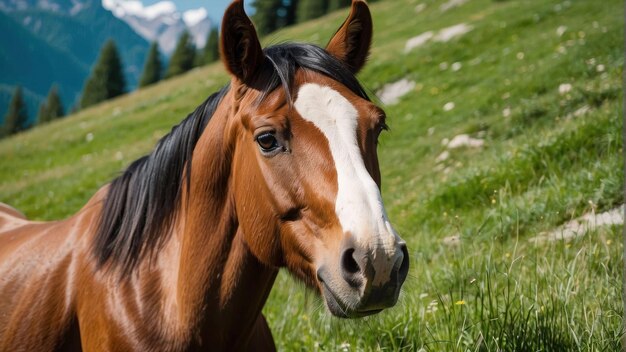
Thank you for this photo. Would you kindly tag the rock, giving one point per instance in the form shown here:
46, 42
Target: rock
391, 93
581, 225
464, 140
418, 41
452, 32
443, 156
443, 36
451, 4
564, 88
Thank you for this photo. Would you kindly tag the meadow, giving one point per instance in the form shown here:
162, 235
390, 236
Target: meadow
538, 82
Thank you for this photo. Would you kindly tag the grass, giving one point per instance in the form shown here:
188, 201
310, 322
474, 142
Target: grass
549, 158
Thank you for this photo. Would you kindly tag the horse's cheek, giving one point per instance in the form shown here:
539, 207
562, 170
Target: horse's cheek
260, 231
265, 245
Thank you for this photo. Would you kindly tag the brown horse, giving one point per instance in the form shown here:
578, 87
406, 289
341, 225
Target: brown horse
278, 169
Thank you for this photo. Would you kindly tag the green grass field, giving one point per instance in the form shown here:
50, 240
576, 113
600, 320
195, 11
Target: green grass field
549, 157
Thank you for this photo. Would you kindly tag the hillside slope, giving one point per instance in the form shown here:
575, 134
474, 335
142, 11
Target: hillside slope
537, 82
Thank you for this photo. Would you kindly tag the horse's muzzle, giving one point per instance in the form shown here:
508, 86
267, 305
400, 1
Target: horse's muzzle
356, 293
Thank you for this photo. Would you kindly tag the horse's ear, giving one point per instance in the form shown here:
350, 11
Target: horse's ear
240, 47
351, 44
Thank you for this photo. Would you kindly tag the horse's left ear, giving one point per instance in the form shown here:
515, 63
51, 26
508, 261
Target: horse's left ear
240, 48
351, 44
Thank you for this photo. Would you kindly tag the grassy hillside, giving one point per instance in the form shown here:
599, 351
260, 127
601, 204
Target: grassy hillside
539, 81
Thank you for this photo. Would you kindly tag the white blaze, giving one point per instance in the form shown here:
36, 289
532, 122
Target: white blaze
359, 205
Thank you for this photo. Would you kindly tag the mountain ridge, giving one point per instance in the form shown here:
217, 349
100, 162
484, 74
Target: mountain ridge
162, 22
36, 70
66, 35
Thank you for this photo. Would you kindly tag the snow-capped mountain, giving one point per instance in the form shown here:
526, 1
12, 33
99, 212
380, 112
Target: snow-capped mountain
162, 21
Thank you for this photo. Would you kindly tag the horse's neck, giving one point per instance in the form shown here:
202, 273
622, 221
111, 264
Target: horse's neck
221, 286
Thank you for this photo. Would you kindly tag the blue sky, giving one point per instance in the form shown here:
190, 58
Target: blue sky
215, 8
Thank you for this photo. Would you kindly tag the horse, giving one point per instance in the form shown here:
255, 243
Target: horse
278, 169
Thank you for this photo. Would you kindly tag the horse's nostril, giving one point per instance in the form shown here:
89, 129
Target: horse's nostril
348, 263
319, 275
404, 267
350, 269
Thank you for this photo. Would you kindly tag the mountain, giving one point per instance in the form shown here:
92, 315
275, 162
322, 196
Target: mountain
35, 64
162, 22
48, 42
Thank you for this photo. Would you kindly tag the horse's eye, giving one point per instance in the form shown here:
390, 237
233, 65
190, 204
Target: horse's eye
267, 142
381, 128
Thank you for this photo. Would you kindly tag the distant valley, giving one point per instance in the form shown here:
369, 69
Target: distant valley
48, 42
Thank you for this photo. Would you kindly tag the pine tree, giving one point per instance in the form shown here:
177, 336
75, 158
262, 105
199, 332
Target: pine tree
266, 15
107, 78
291, 7
54, 106
183, 58
16, 119
152, 68
310, 9
211, 51
42, 114
271, 15
338, 4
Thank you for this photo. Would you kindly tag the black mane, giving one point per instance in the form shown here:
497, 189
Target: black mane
141, 203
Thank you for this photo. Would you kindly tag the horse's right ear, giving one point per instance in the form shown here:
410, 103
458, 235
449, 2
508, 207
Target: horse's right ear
351, 44
240, 47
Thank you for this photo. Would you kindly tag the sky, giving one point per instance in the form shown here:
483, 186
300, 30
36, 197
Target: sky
215, 8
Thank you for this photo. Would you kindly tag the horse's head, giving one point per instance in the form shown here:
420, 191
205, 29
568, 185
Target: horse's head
306, 178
